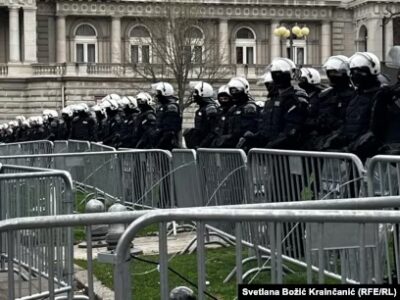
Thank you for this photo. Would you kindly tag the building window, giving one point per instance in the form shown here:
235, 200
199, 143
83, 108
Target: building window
299, 51
85, 44
396, 32
140, 42
245, 45
194, 45
362, 39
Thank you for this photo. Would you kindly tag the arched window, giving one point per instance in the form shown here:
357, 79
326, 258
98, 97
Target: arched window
140, 43
194, 44
362, 39
245, 43
85, 44
396, 31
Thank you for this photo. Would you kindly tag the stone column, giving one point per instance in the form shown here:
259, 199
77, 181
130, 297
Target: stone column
14, 34
61, 40
30, 35
388, 38
326, 39
116, 40
223, 41
374, 36
275, 42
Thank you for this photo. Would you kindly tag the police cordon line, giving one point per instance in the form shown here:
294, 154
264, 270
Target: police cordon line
358, 113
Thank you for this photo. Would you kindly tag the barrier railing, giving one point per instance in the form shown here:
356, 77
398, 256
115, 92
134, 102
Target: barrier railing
36, 261
186, 178
76, 146
12, 226
96, 147
26, 148
136, 177
286, 176
315, 243
60, 147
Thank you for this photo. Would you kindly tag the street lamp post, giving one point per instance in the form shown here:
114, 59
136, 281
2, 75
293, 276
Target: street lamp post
282, 31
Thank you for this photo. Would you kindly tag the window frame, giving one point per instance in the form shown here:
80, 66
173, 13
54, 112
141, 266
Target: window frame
85, 40
244, 44
298, 43
140, 42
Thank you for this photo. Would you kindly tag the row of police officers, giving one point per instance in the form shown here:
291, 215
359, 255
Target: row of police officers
359, 112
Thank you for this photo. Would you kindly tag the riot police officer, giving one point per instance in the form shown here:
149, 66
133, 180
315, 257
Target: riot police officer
327, 111
64, 126
52, 124
37, 131
83, 126
101, 121
391, 136
225, 104
19, 132
363, 127
145, 127
206, 117
284, 115
130, 112
310, 81
169, 120
114, 120
242, 117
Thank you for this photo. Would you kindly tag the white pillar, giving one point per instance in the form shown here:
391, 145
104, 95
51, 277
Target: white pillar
61, 40
14, 34
326, 39
223, 41
116, 40
388, 38
374, 37
275, 42
30, 35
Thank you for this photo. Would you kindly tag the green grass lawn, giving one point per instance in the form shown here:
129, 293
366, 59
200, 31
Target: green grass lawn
219, 262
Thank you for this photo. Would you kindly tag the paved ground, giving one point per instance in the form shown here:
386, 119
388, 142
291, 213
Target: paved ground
148, 244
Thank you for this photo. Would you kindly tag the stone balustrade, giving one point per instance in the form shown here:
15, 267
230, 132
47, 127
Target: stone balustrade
48, 69
139, 71
3, 70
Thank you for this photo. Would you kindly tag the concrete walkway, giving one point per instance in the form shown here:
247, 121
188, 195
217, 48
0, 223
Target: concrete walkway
148, 244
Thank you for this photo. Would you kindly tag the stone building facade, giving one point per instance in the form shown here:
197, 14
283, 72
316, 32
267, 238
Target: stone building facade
55, 52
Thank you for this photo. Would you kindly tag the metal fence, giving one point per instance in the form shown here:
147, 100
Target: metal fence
96, 147
60, 147
37, 262
76, 146
315, 221
136, 178
26, 148
269, 213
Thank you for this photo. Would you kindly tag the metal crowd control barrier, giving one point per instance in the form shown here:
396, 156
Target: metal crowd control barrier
37, 262
286, 176
26, 148
12, 227
96, 147
186, 178
76, 146
315, 221
60, 147
137, 177
383, 177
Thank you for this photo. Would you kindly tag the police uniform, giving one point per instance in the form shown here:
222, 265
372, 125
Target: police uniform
326, 114
145, 129
283, 119
242, 118
205, 125
112, 130
169, 124
83, 128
